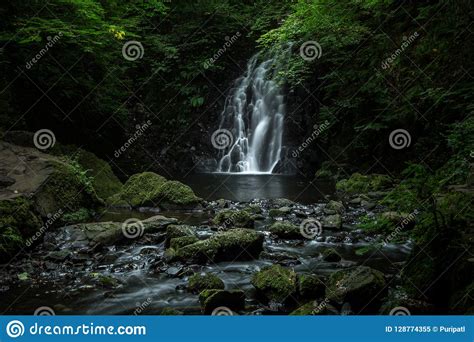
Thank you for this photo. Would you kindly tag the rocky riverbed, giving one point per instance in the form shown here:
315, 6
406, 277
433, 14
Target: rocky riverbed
258, 257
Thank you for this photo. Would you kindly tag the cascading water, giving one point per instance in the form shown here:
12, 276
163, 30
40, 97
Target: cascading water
254, 114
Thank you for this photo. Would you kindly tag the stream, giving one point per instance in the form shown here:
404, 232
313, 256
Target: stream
146, 285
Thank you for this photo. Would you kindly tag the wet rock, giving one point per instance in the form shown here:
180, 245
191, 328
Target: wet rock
174, 271
367, 205
234, 218
235, 244
282, 202
177, 231
283, 211
361, 286
207, 281
310, 286
275, 283
179, 242
332, 221
214, 299
331, 255
335, 206
285, 230
59, 255
6, 181
315, 308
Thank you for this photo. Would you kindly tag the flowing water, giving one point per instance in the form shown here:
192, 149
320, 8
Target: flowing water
254, 114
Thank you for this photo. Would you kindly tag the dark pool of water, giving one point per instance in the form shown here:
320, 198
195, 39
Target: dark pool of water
246, 187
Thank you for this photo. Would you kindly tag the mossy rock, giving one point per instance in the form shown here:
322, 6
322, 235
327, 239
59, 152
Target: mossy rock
211, 299
173, 194
105, 182
234, 218
200, 282
359, 183
280, 212
176, 243
178, 231
275, 283
310, 286
332, 221
360, 286
79, 216
18, 224
151, 189
235, 244
285, 230
138, 188
335, 206
66, 189
331, 255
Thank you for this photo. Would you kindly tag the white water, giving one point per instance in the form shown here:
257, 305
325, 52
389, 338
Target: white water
254, 114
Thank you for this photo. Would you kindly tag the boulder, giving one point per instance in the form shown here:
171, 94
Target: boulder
275, 283
332, 221
235, 244
331, 255
228, 301
336, 206
360, 286
178, 231
233, 218
310, 286
207, 281
285, 230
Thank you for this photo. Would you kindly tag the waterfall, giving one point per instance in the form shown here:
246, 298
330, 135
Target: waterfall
253, 114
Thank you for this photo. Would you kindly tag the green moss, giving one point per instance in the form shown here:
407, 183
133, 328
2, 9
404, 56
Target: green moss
138, 188
67, 189
18, 222
234, 218
235, 244
285, 230
104, 180
359, 183
179, 242
198, 283
275, 282
80, 216
174, 193
151, 189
